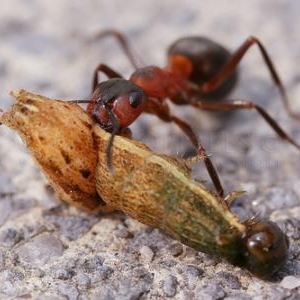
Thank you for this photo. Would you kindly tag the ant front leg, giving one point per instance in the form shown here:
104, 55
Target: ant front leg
122, 41
231, 65
242, 104
109, 72
161, 110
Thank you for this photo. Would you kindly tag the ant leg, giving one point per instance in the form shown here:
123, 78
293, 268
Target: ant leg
186, 128
242, 104
236, 57
109, 72
122, 41
162, 112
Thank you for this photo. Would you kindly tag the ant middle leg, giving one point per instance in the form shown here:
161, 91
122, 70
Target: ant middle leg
185, 127
243, 104
236, 57
161, 110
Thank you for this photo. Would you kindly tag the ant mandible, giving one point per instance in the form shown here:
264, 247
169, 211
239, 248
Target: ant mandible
199, 72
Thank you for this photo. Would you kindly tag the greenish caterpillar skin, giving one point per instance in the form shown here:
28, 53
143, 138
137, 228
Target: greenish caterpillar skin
157, 190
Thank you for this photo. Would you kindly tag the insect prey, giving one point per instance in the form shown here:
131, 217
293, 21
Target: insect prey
158, 191
155, 189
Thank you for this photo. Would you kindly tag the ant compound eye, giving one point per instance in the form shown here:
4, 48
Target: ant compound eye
135, 99
267, 248
128, 107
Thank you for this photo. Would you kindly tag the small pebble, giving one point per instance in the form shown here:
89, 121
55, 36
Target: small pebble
48, 296
228, 280
105, 292
71, 227
8, 288
193, 271
5, 208
290, 282
63, 274
92, 264
2, 260
254, 287
187, 295
241, 297
68, 290
83, 280
170, 286
40, 249
210, 292
37, 272
191, 275
175, 249
10, 237
146, 254
123, 233
102, 273
140, 272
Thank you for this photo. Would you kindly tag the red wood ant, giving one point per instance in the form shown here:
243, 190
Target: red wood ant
199, 72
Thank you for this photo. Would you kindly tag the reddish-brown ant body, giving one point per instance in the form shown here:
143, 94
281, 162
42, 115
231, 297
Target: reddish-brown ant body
199, 72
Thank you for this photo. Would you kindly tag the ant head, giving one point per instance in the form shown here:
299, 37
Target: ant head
116, 103
266, 248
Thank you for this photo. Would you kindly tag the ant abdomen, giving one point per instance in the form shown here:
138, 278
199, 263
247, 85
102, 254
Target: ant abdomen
199, 59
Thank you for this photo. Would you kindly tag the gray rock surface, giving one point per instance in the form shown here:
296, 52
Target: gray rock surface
52, 251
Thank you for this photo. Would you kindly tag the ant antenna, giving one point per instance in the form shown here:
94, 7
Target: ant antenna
116, 130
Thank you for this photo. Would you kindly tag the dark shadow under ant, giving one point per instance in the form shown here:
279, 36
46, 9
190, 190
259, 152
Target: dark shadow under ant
199, 73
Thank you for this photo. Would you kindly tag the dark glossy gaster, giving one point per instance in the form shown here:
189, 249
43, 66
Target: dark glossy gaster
200, 59
199, 73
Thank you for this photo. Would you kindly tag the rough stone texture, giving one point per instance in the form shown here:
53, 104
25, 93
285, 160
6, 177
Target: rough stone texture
51, 251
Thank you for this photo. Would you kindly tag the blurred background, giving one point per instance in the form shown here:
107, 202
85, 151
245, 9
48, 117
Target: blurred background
43, 49
44, 46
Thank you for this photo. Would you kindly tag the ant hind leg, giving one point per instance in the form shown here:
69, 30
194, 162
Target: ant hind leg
235, 59
243, 104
